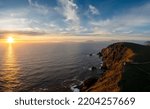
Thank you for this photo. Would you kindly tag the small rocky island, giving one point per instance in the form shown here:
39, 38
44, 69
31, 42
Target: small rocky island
126, 68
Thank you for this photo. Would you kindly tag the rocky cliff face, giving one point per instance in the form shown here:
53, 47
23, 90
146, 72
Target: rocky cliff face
116, 77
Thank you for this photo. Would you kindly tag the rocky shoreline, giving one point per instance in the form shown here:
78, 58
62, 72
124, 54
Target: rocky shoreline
126, 68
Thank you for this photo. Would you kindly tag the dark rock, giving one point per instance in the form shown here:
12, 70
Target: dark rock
104, 67
90, 54
99, 54
88, 82
93, 68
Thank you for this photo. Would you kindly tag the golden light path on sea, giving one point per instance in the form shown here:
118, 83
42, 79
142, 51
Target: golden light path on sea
10, 70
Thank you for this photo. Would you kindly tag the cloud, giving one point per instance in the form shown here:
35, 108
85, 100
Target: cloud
14, 19
39, 8
30, 19
21, 32
93, 10
69, 10
21, 20
125, 23
67, 18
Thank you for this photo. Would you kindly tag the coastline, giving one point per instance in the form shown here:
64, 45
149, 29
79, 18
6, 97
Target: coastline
126, 68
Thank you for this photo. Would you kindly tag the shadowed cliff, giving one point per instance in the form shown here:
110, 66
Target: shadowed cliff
126, 68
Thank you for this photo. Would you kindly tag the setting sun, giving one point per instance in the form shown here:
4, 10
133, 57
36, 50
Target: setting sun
10, 40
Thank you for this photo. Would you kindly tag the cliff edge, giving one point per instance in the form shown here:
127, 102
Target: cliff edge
126, 68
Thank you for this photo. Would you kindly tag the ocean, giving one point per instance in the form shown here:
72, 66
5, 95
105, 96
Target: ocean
52, 67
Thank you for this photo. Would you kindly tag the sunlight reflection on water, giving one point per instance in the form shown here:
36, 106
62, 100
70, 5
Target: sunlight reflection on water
10, 71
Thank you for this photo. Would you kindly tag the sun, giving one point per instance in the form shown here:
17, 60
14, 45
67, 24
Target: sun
10, 40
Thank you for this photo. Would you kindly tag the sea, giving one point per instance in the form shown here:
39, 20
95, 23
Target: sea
48, 67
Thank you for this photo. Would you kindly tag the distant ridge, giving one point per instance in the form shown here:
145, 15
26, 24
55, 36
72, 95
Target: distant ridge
147, 42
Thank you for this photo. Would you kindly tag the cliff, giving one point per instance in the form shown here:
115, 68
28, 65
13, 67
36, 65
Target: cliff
126, 68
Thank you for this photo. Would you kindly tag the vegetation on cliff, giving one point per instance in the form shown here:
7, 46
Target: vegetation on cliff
127, 68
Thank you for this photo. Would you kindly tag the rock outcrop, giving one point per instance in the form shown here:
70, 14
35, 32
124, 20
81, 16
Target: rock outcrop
127, 69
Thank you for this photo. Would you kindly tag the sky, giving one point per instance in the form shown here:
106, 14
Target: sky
114, 19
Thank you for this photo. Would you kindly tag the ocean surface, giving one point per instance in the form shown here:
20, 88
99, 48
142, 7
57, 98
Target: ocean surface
54, 67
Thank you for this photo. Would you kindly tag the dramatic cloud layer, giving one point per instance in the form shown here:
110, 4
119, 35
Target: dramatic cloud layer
130, 22
76, 17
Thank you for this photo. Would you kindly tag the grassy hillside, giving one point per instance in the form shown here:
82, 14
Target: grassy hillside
127, 68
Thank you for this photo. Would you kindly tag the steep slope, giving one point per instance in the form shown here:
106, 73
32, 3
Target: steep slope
127, 68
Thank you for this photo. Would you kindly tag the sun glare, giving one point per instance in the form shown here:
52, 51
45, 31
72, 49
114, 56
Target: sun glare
10, 40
